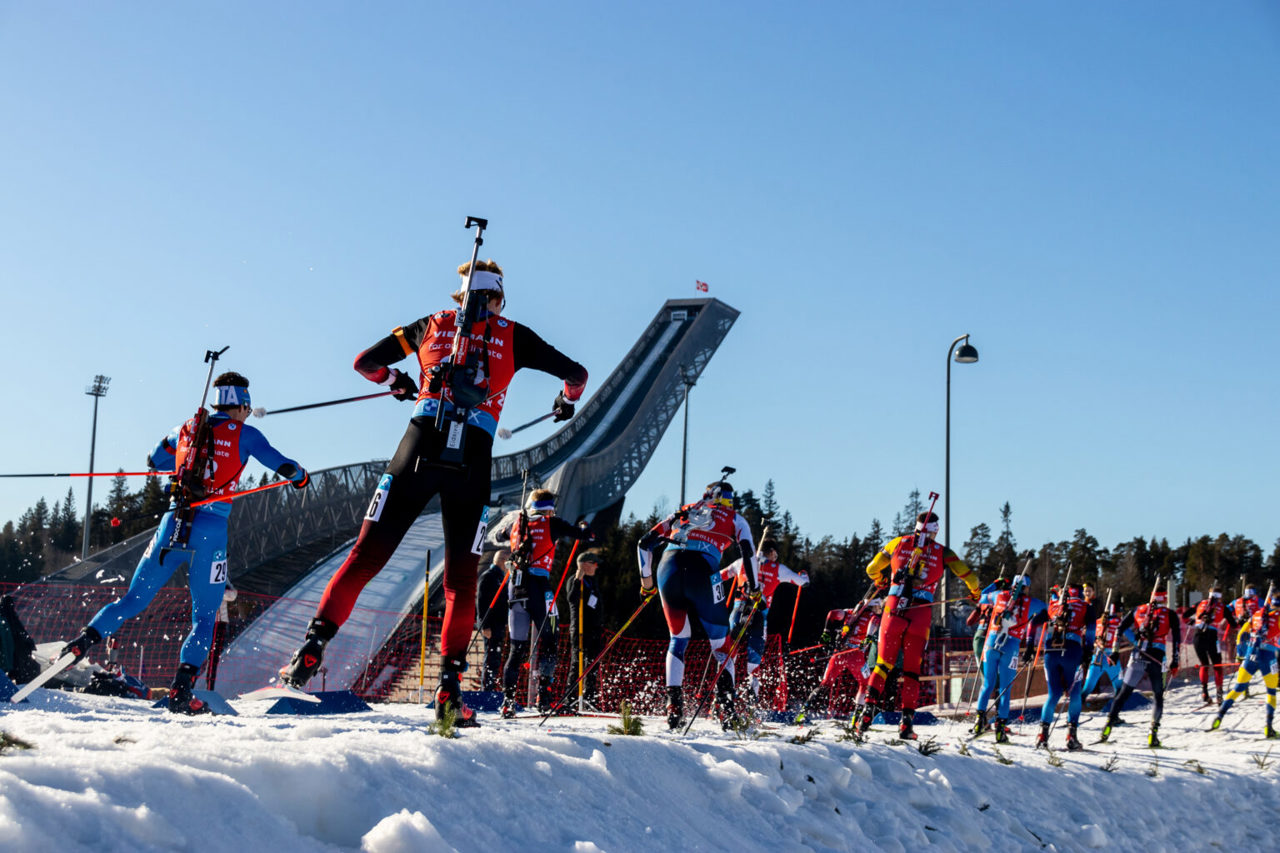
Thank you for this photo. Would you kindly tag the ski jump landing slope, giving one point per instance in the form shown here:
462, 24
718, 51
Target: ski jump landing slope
590, 463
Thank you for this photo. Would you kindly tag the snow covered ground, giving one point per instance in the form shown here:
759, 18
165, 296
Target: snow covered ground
107, 774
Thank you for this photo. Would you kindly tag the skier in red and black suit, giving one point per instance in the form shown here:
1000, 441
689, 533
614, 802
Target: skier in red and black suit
849, 637
909, 569
1155, 633
415, 474
771, 574
532, 536
1209, 614
688, 580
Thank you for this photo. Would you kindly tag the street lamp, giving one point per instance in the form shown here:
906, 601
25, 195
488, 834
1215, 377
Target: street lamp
97, 390
967, 354
686, 376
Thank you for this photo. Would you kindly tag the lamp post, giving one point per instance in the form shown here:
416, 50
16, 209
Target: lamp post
967, 354
686, 376
97, 390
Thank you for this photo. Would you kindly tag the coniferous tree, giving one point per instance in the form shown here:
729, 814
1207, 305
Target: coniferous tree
978, 549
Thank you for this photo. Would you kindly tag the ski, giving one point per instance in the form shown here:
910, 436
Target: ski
44, 677
278, 692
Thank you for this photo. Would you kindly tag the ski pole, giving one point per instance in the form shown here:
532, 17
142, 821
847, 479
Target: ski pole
262, 413
422, 650
795, 609
507, 433
99, 474
728, 658
235, 495
600, 657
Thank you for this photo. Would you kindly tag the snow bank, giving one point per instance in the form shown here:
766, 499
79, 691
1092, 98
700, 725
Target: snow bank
109, 774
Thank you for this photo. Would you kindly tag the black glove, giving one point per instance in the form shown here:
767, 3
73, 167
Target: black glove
402, 387
1025, 656
562, 409
304, 482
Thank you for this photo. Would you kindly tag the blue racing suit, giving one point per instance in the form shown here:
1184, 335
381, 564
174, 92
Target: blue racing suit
205, 555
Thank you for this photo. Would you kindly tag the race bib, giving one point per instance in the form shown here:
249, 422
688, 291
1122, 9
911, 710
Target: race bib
591, 602
218, 572
477, 546
379, 501
717, 590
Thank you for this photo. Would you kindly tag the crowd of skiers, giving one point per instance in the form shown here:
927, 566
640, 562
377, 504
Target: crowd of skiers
466, 357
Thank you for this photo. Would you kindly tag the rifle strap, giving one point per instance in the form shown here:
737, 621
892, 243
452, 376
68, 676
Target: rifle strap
398, 331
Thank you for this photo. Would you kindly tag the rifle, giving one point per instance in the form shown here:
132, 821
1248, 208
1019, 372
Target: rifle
187, 482
1256, 637
1106, 615
906, 577
460, 376
1059, 637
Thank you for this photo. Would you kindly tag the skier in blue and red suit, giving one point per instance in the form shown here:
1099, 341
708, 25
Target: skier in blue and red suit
1068, 628
908, 569
1242, 610
1261, 635
1010, 612
1105, 661
205, 554
770, 573
416, 473
688, 581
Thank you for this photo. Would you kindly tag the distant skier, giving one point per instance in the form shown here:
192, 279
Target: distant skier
1209, 614
1156, 634
848, 638
1242, 610
1261, 636
1068, 628
688, 580
1010, 613
205, 556
532, 536
1105, 660
771, 574
909, 576
490, 589
416, 473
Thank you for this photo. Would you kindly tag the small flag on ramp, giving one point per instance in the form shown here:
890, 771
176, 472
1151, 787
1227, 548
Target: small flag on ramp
701, 285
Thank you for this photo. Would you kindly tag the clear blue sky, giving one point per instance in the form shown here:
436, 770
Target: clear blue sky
1090, 190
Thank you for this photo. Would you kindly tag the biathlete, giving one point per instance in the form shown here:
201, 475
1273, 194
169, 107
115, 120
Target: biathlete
1210, 613
1261, 636
1068, 629
848, 638
1009, 609
688, 581
417, 473
532, 536
1105, 661
908, 569
204, 556
1155, 634
770, 574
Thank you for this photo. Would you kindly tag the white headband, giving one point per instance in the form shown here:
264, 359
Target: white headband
930, 527
485, 280
231, 395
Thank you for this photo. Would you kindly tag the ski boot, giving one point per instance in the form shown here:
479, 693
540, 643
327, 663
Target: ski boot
181, 700
1219, 695
906, 728
1073, 742
1042, 739
1204, 693
80, 645
865, 716
307, 659
1270, 733
1106, 730
449, 696
1153, 739
1217, 723
1002, 730
508, 710
980, 724
544, 694
729, 717
675, 707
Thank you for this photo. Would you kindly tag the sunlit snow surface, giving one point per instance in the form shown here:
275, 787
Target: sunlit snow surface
114, 775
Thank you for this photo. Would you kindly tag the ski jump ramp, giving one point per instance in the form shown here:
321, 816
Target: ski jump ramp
590, 463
